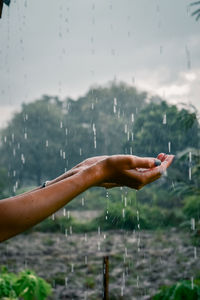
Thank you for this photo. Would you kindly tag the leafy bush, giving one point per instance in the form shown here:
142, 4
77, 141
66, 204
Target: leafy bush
191, 207
26, 285
7, 281
179, 291
149, 217
57, 225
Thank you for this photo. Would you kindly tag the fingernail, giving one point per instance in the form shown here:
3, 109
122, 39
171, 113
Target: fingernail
157, 162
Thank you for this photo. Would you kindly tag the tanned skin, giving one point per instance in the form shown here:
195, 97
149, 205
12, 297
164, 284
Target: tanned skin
19, 213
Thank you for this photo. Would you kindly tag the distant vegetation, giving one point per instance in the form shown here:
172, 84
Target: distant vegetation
49, 136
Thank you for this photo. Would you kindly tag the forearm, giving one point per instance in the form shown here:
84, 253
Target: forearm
21, 212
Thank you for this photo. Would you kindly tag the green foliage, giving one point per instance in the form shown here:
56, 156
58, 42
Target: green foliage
49, 136
159, 124
191, 207
26, 285
196, 13
181, 290
56, 225
122, 121
128, 218
31, 287
4, 183
89, 282
7, 281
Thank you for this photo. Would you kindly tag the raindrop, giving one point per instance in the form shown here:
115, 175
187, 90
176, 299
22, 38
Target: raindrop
83, 201
66, 281
72, 268
68, 214
164, 119
138, 281
22, 158
169, 147
193, 224
47, 143
125, 201
192, 282
99, 230
85, 237
98, 246
70, 230
126, 128
190, 156
190, 173
195, 253
64, 155
53, 217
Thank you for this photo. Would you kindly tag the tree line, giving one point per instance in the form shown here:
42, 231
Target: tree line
49, 136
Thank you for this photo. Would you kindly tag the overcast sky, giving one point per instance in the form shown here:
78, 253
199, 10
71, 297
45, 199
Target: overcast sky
63, 47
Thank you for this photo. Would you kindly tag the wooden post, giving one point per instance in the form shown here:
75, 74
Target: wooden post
1, 7
105, 277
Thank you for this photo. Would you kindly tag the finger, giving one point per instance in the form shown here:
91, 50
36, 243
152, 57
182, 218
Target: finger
161, 156
146, 176
145, 162
167, 162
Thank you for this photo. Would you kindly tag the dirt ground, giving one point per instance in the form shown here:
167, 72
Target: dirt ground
139, 262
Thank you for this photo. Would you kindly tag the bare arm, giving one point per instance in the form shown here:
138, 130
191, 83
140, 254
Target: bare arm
21, 212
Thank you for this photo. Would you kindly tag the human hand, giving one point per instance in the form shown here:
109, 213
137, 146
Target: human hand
123, 170
134, 171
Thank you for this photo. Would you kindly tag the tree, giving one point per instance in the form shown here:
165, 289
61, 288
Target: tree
32, 142
164, 128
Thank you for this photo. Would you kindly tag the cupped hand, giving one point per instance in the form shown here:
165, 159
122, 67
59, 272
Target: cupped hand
133, 171
123, 170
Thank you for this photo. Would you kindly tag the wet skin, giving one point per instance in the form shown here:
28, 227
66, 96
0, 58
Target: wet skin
21, 212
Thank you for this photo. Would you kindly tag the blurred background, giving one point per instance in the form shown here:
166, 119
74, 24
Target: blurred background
86, 78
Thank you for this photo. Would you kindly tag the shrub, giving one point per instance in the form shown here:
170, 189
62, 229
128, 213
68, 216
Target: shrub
149, 217
191, 207
179, 291
26, 285
57, 225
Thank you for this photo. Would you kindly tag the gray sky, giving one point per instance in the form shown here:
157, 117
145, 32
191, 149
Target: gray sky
63, 47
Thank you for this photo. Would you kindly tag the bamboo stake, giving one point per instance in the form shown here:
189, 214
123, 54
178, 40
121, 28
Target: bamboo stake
105, 277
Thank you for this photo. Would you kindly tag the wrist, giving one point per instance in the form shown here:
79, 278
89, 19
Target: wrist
96, 173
